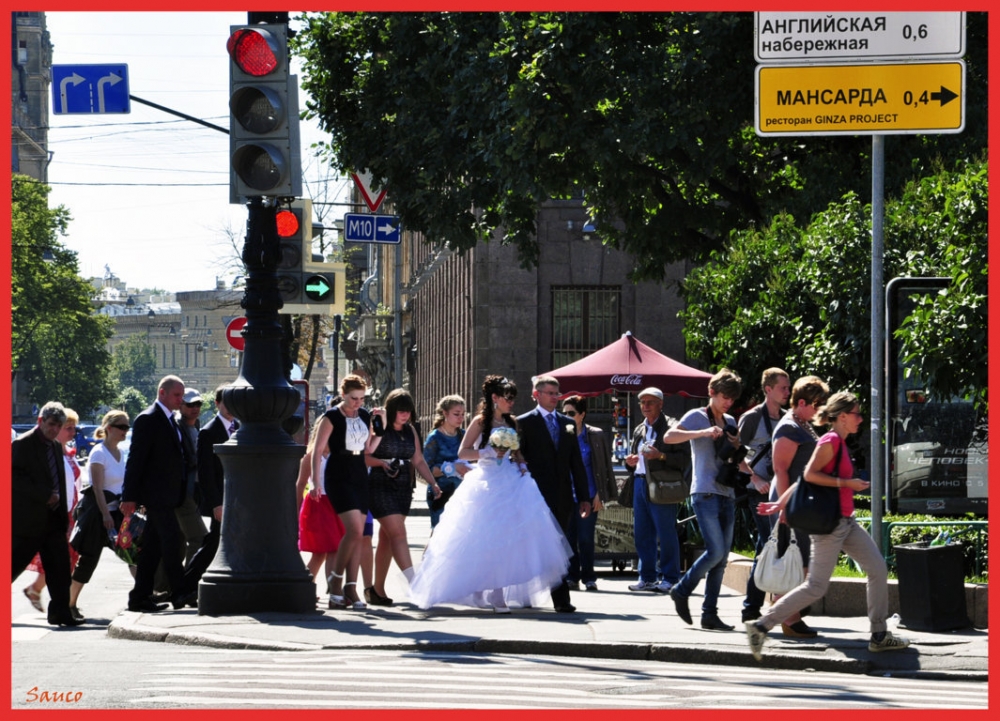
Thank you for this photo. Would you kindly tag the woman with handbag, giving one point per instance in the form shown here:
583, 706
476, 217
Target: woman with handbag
320, 528
106, 465
830, 466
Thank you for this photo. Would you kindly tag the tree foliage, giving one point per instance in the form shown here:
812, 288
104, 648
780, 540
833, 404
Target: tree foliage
57, 341
799, 298
472, 119
133, 365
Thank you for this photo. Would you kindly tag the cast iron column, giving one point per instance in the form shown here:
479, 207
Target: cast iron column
258, 567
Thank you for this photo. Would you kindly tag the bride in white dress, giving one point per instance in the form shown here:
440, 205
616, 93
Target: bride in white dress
497, 543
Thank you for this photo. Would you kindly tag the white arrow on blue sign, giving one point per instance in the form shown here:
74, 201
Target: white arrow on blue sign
90, 89
365, 228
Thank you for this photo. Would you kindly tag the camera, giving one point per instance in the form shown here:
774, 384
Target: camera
726, 451
393, 470
377, 426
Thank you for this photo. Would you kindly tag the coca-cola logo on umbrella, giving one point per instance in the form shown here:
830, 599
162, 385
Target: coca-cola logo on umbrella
632, 379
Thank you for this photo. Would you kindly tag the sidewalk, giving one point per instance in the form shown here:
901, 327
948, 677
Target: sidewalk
610, 623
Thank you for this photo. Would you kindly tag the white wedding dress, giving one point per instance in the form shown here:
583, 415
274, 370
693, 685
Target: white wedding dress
495, 532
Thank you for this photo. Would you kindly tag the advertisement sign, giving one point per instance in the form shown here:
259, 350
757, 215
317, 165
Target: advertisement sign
937, 450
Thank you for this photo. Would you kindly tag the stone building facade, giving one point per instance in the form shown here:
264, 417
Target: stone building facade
30, 78
466, 316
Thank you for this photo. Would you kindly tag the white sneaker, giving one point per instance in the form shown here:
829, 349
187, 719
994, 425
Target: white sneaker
662, 587
755, 637
888, 643
643, 586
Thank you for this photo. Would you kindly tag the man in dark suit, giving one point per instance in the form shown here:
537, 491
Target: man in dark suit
550, 447
38, 509
210, 482
155, 478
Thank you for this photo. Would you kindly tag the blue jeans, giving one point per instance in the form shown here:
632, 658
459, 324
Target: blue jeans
581, 540
716, 517
652, 522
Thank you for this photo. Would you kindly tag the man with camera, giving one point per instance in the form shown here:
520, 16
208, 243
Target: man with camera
714, 503
756, 427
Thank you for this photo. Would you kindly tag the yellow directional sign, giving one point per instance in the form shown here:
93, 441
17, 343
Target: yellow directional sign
904, 98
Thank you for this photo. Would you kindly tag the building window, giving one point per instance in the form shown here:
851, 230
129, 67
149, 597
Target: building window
584, 319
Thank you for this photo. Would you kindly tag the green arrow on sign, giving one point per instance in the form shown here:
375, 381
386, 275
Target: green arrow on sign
317, 287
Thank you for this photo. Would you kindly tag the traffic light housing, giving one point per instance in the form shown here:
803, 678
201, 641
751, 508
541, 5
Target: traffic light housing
264, 142
294, 226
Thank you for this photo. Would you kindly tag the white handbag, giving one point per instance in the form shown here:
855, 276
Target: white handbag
778, 575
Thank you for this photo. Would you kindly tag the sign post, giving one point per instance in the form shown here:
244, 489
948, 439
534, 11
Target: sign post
908, 96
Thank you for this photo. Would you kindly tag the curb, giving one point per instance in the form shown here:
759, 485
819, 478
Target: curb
818, 657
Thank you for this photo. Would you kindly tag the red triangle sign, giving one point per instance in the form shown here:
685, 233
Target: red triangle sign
373, 197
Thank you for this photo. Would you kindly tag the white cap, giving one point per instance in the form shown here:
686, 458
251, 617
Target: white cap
651, 391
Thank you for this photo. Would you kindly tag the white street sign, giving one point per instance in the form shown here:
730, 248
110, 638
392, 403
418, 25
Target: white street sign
816, 37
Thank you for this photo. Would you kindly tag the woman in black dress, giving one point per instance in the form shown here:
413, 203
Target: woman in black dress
390, 457
345, 429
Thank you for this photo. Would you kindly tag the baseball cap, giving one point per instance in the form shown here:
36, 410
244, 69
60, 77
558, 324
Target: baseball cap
651, 391
192, 396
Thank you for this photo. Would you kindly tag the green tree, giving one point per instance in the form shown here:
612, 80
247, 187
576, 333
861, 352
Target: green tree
131, 401
133, 365
472, 119
800, 298
58, 343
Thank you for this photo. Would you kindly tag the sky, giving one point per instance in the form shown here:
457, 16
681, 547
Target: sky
148, 191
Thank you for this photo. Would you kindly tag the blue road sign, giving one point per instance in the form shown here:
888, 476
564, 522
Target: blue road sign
364, 228
90, 89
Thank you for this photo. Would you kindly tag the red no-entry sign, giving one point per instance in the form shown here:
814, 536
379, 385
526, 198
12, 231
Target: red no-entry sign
234, 333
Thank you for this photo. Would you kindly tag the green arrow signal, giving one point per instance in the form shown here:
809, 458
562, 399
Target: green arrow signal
317, 287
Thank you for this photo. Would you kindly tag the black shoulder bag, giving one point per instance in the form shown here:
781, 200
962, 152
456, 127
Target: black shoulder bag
813, 508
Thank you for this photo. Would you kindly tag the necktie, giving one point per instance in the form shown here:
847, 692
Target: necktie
233, 425
53, 469
553, 428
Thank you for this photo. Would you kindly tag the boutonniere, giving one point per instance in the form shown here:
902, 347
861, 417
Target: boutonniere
571, 428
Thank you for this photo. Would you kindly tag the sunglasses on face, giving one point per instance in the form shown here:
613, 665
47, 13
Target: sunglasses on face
571, 414
193, 405
120, 426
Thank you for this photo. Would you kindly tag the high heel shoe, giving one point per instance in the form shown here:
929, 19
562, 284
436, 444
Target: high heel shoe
374, 598
355, 603
336, 601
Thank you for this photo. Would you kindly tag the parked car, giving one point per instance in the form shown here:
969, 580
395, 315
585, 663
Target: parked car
85, 440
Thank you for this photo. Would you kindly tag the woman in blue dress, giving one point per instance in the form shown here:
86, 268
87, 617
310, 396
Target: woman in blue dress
441, 453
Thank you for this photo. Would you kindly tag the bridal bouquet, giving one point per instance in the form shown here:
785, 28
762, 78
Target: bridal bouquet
504, 439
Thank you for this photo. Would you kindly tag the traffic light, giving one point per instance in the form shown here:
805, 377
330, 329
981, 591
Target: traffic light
294, 225
306, 283
264, 115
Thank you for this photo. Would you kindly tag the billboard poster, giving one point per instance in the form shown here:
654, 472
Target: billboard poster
937, 450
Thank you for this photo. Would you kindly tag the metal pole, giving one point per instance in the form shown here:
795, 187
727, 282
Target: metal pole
336, 353
397, 320
876, 458
258, 567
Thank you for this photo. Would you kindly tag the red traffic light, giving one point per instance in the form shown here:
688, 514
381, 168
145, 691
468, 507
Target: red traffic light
254, 50
288, 223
